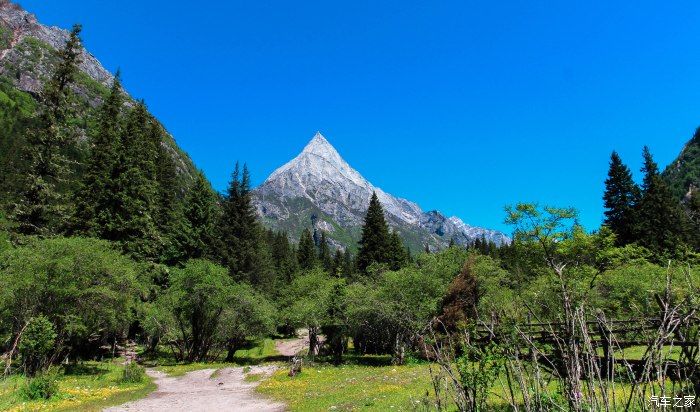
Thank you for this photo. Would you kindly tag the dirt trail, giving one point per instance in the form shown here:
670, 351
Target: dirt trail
199, 391
292, 347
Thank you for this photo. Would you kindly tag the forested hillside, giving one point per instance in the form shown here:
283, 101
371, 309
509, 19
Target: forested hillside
683, 174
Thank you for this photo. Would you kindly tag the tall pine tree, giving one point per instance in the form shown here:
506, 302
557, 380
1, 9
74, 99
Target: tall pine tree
660, 219
621, 197
136, 189
306, 254
42, 208
396, 253
243, 245
375, 242
324, 254
197, 230
95, 200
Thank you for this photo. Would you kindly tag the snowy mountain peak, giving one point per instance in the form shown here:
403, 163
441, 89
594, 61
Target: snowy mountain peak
319, 187
321, 147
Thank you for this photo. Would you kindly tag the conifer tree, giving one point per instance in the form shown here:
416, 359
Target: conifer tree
168, 197
42, 208
694, 217
374, 244
621, 197
95, 199
397, 255
136, 189
306, 254
324, 254
349, 265
338, 263
197, 231
243, 247
660, 219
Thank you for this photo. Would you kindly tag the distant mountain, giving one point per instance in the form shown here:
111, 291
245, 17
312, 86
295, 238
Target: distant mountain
683, 174
320, 189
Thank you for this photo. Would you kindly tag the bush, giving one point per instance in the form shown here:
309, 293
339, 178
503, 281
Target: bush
37, 342
133, 373
85, 287
42, 386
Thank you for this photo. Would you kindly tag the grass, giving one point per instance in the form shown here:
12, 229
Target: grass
350, 387
90, 386
372, 385
264, 349
258, 352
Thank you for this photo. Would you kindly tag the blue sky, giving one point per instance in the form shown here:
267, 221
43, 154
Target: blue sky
461, 106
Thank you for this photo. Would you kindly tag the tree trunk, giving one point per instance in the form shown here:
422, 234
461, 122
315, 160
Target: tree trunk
313, 341
399, 357
232, 346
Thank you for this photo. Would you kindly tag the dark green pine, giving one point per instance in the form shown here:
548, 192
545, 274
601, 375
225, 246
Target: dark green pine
661, 225
136, 189
620, 199
195, 236
42, 206
396, 253
324, 254
374, 243
243, 240
306, 254
95, 199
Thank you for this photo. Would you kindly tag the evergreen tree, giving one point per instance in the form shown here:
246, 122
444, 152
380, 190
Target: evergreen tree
396, 252
348, 265
374, 244
694, 217
136, 189
95, 199
306, 254
243, 247
283, 256
660, 220
620, 197
324, 254
42, 209
195, 238
337, 270
168, 187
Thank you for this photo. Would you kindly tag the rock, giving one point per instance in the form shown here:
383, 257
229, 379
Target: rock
26, 52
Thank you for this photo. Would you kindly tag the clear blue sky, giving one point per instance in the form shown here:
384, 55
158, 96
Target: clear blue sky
461, 106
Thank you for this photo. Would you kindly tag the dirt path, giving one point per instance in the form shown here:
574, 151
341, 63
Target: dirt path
199, 391
292, 347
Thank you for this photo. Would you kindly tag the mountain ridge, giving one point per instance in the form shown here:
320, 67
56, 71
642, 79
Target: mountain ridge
319, 189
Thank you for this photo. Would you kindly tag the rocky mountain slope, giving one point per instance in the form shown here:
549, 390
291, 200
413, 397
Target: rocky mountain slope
27, 59
319, 188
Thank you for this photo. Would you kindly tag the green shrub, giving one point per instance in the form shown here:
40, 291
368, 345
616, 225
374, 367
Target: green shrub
42, 386
133, 373
37, 342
